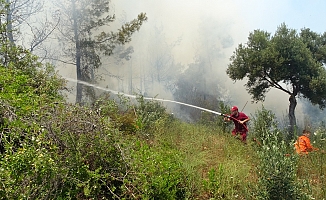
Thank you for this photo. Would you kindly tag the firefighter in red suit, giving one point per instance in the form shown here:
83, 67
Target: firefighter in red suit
240, 123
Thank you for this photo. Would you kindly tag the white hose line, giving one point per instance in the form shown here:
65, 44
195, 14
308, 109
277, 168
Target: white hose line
133, 96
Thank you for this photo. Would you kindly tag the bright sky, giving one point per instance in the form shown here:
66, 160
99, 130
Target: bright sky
296, 14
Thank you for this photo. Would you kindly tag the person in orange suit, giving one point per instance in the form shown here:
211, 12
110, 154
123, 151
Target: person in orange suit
303, 145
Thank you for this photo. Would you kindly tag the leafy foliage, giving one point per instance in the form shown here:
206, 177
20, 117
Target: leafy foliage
289, 61
268, 60
54, 150
64, 154
277, 171
263, 125
84, 41
147, 113
74, 152
277, 167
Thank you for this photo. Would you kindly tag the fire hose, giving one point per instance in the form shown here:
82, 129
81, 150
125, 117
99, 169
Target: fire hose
156, 99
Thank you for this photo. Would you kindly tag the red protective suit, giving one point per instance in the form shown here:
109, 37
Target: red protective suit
238, 127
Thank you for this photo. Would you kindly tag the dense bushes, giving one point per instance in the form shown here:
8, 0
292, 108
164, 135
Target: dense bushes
51, 149
55, 150
67, 152
278, 166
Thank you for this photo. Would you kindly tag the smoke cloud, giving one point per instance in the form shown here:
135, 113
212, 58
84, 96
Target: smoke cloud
178, 33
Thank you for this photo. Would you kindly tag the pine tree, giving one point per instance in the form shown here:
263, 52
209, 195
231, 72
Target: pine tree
85, 41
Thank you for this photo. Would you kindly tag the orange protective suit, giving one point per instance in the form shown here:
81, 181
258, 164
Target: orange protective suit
303, 145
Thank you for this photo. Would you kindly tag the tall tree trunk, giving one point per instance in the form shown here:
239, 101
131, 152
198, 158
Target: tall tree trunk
130, 78
292, 119
79, 88
9, 23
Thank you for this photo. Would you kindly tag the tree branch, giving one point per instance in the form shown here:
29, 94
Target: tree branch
44, 38
66, 62
276, 85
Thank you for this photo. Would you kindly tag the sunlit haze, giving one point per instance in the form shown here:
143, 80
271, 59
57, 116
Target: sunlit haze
180, 29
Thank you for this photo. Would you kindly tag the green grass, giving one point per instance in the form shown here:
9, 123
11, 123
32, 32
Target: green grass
205, 150
221, 167
312, 169
140, 153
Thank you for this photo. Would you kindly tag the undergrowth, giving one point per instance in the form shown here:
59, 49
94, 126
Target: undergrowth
51, 149
124, 149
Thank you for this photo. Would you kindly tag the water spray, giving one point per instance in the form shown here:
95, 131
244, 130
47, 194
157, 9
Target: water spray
153, 99
148, 98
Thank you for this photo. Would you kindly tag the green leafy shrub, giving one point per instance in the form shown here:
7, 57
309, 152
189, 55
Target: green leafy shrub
148, 112
82, 156
25, 85
53, 150
122, 116
26, 92
89, 151
263, 125
29, 172
277, 172
277, 167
